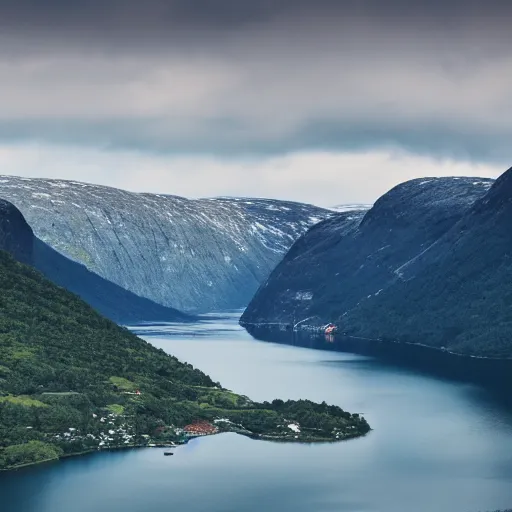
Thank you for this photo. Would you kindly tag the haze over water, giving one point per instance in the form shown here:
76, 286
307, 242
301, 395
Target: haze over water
436, 445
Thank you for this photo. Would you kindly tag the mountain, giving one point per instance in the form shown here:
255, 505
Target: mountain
350, 207
194, 255
457, 294
109, 299
116, 303
353, 256
16, 237
72, 381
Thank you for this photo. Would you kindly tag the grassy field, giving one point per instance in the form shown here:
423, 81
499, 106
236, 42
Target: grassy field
22, 400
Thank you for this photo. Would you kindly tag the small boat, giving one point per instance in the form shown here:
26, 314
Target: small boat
168, 453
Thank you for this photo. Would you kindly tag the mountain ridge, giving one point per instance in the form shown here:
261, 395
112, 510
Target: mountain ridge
191, 254
455, 296
354, 255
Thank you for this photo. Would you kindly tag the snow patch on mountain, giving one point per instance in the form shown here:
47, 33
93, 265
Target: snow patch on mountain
350, 207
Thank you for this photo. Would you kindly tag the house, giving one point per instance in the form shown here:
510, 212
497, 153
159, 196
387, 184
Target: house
200, 428
330, 329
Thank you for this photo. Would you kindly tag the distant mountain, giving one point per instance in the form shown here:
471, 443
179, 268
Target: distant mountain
457, 294
343, 262
350, 207
195, 255
118, 304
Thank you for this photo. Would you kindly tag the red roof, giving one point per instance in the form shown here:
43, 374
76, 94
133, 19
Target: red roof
200, 427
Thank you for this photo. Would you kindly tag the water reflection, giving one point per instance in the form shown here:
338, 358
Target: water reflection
493, 374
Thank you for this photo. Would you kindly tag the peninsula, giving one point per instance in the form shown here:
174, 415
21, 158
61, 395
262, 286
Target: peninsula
72, 381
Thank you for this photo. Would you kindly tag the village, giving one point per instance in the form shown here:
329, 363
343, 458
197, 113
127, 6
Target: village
114, 432
114, 428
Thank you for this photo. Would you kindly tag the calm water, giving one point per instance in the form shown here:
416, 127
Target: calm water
436, 445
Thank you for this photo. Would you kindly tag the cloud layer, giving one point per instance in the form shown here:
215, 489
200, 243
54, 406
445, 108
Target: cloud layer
233, 78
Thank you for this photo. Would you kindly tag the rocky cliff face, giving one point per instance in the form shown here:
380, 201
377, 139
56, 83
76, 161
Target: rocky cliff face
195, 255
354, 256
118, 304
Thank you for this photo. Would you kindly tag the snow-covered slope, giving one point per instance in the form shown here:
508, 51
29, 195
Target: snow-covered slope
350, 207
195, 255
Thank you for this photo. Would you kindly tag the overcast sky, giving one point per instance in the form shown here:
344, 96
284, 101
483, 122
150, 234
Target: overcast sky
324, 101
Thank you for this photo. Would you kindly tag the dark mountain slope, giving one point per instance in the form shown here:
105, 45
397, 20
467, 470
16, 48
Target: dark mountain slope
116, 303
16, 237
355, 255
194, 255
458, 294
292, 291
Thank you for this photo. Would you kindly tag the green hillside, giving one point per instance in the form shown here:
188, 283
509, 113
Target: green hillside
69, 382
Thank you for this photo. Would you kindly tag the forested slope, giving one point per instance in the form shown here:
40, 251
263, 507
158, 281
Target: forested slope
69, 380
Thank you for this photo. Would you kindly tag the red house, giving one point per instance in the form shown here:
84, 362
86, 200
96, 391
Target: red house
200, 428
330, 329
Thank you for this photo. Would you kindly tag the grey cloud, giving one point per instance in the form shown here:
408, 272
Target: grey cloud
93, 14
261, 77
224, 138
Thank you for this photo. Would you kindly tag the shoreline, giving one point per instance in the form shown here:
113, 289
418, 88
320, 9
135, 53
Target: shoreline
70, 455
87, 452
256, 437
491, 373
312, 330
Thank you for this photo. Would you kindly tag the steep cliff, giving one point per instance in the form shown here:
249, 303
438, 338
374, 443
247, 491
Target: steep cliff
195, 255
